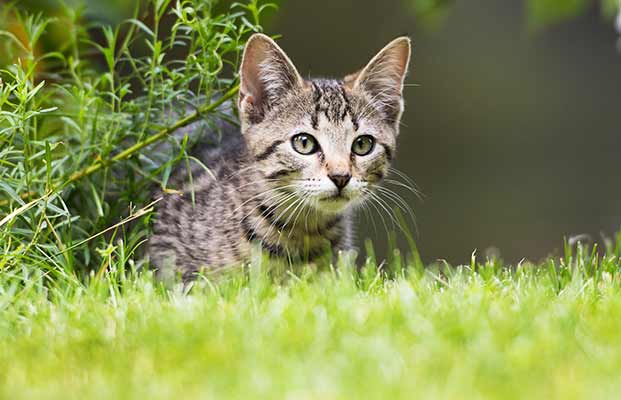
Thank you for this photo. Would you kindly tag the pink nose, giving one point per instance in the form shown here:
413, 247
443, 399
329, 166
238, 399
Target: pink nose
340, 180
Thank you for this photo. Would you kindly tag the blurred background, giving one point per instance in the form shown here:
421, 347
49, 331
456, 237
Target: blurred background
512, 128
513, 133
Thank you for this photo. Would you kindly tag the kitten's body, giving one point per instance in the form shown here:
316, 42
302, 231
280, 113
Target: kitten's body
296, 205
229, 213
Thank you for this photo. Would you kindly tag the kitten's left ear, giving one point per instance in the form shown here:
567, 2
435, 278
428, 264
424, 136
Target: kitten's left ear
266, 76
382, 78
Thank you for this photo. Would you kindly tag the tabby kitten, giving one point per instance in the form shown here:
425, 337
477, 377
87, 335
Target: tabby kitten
309, 152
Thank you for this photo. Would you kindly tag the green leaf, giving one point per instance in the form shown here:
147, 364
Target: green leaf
140, 25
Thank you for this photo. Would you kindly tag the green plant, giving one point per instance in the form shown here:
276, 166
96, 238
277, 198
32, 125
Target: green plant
80, 125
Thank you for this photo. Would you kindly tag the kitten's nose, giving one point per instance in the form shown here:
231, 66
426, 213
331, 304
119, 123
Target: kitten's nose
340, 180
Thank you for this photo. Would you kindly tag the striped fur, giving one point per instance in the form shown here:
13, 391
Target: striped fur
260, 190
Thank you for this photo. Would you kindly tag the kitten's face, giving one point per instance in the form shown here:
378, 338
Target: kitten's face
327, 141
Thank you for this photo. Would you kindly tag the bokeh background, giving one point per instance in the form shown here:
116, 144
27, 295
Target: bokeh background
513, 133
512, 128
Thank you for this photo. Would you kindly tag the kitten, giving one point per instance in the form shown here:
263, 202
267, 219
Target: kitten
309, 152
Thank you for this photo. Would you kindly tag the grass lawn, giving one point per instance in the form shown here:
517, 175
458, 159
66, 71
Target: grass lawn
479, 331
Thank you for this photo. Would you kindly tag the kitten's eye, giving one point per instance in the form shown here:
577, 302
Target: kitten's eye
304, 143
363, 145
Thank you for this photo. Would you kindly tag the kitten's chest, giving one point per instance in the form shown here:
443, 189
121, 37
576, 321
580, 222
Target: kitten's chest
295, 238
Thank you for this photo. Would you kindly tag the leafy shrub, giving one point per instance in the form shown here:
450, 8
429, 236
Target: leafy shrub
80, 125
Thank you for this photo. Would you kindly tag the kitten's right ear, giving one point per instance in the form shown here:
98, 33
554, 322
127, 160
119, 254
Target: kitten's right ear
266, 76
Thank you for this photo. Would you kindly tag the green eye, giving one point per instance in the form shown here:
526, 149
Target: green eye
363, 145
304, 143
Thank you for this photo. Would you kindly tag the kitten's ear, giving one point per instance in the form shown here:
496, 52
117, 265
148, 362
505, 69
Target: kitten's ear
266, 76
382, 78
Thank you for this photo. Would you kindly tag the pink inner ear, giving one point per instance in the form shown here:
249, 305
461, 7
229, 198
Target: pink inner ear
387, 69
250, 80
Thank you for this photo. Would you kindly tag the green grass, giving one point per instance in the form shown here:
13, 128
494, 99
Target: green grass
477, 331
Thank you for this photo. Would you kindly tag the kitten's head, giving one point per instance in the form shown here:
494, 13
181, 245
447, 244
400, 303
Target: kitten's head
329, 141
